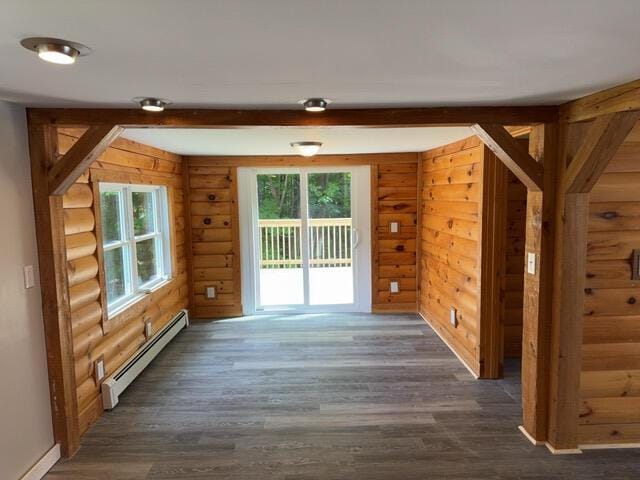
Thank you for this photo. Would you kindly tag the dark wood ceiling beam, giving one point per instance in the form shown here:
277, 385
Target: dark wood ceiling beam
80, 156
602, 141
368, 117
622, 98
512, 153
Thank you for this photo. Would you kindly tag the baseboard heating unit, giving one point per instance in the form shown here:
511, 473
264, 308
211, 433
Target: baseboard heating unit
113, 386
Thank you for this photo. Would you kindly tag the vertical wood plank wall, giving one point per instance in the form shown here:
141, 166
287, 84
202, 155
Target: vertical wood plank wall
94, 335
215, 246
450, 249
610, 380
394, 198
514, 266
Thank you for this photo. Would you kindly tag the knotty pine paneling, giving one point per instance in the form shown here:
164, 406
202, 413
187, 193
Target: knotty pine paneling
514, 266
215, 245
95, 335
610, 380
450, 249
394, 197
215, 250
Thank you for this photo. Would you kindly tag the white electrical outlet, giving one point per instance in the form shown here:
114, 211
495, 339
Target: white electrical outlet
29, 278
453, 317
394, 287
210, 293
99, 369
148, 329
531, 263
393, 227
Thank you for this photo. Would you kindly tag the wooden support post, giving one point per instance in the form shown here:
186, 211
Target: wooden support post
567, 313
491, 252
538, 286
55, 292
80, 156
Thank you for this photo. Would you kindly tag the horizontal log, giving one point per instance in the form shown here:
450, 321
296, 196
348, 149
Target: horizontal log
86, 317
84, 342
79, 195
83, 294
82, 269
78, 220
80, 245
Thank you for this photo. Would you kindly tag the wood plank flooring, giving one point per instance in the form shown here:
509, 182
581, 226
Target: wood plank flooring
331, 396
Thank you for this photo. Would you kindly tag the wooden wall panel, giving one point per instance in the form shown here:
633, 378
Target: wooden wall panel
514, 266
450, 248
215, 245
394, 196
610, 380
215, 248
94, 335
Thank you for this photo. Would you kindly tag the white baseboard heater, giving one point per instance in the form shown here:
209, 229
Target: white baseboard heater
113, 386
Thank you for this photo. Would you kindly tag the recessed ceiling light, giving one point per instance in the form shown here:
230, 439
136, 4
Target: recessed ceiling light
55, 50
315, 104
307, 149
150, 104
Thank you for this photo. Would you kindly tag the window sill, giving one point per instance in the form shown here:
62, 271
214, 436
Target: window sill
137, 297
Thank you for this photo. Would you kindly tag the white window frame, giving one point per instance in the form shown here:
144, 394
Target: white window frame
161, 235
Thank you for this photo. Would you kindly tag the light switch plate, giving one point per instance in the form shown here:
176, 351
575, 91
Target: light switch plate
29, 278
453, 317
99, 369
148, 329
393, 227
531, 263
210, 292
394, 287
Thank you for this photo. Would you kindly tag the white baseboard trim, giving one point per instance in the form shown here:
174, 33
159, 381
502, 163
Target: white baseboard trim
563, 451
475, 375
529, 437
43, 465
607, 446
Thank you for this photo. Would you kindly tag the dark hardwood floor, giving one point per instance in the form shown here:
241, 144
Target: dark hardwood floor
332, 396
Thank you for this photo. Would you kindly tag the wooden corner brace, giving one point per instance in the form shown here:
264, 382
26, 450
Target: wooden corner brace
603, 139
512, 154
83, 153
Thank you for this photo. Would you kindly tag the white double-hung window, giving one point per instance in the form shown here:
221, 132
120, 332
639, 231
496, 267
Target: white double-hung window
135, 239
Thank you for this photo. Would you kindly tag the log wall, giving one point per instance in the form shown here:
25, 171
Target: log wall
610, 379
95, 335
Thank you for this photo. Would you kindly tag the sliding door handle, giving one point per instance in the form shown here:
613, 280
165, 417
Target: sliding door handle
355, 238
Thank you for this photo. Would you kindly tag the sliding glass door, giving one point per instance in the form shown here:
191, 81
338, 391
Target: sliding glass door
305, 239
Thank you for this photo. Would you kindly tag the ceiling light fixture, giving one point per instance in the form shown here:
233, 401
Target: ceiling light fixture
307, 149
150, 104
55, 50
315, 104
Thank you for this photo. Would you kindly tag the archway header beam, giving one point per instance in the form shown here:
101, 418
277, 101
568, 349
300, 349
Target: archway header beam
368, 117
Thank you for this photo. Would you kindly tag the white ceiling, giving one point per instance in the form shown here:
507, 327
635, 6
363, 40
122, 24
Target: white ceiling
275, 141
271, 53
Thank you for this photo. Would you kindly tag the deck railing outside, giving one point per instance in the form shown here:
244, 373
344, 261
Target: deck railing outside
329, 243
